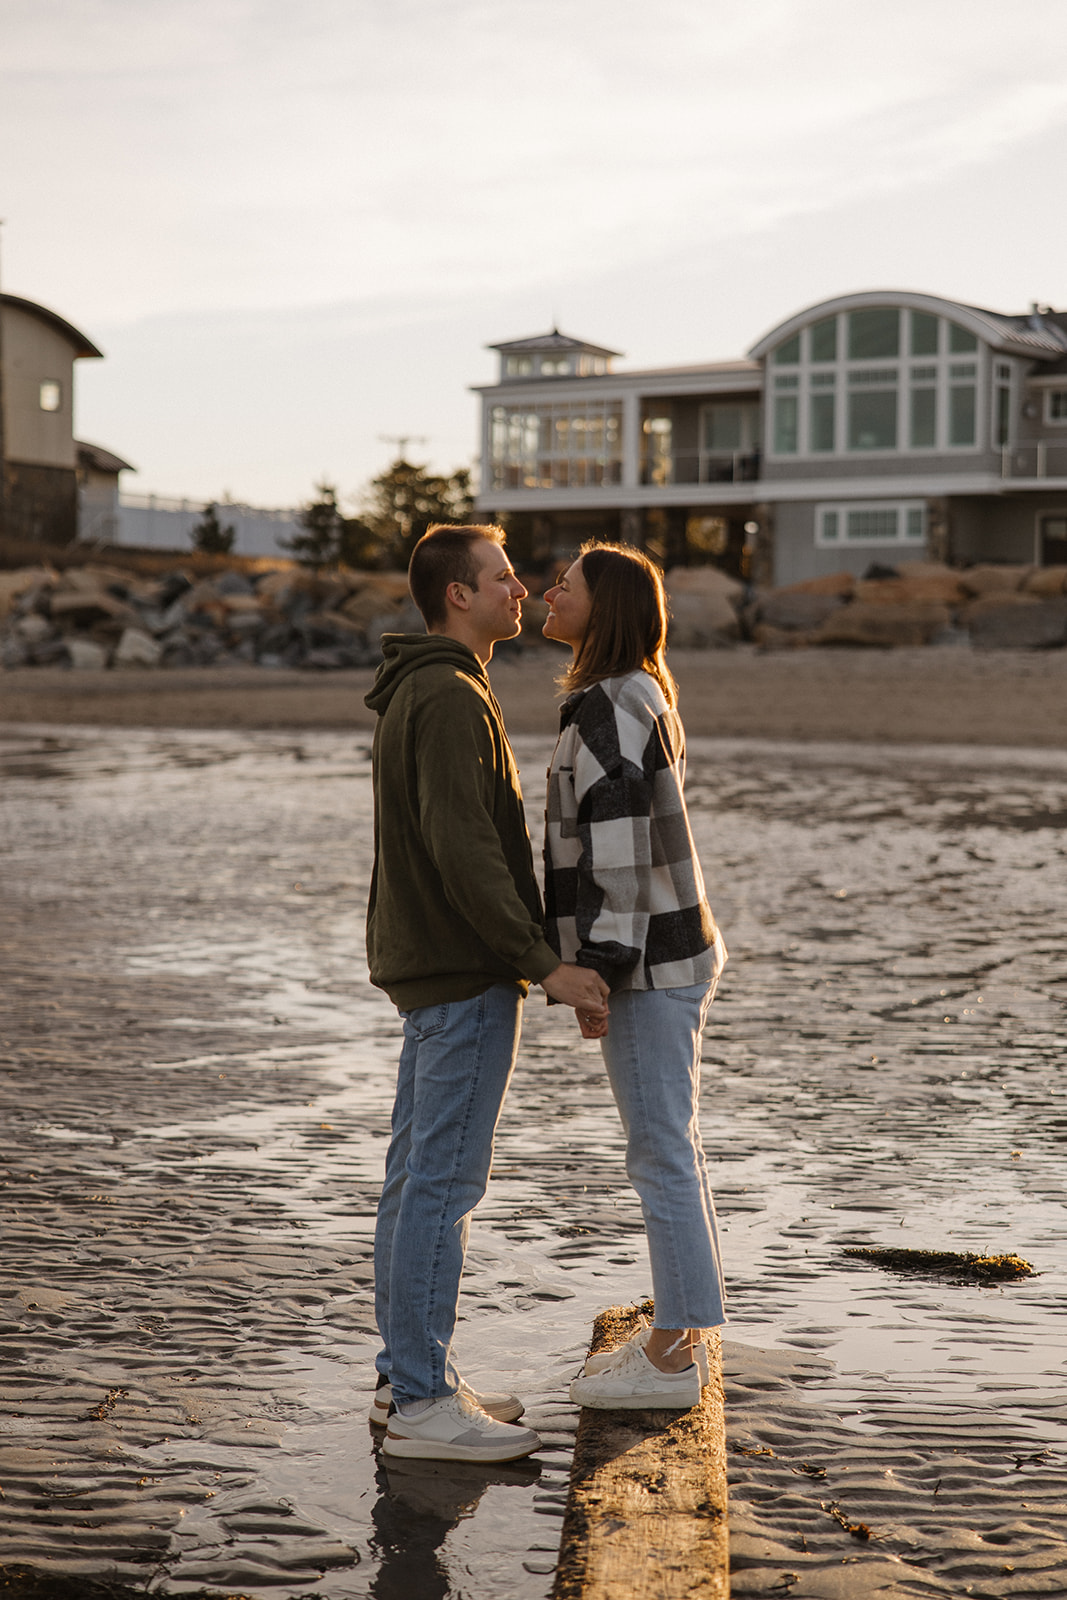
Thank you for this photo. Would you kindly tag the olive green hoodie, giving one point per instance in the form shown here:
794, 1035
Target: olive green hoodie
454, 903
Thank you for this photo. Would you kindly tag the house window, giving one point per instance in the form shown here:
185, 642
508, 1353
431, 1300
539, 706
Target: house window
960, 339
51, 395
555, 446
1056, 405
873, 334
870, 522
659, 457
962, 402
872, 409
924, 328
822, 413
824, 340
518, 366
555, 367
884, 379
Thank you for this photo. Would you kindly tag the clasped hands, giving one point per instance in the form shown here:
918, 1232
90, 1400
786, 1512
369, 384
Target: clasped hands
586, 991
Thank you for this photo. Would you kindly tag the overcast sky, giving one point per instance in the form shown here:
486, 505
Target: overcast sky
293, 228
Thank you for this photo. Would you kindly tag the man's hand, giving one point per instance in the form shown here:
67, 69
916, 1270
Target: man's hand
579, 987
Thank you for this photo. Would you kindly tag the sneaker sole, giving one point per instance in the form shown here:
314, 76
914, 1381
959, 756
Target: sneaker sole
440, 1450
636, 1402
604, 1359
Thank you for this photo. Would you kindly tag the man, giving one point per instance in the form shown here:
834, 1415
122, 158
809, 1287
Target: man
455, 938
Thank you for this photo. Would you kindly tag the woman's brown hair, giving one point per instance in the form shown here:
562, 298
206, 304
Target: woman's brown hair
627, 628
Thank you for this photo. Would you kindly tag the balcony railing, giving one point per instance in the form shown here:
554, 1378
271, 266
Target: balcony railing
1047, 458
738, 466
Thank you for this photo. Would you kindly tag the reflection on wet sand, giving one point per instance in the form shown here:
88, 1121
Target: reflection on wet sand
196, 1078
419, 1504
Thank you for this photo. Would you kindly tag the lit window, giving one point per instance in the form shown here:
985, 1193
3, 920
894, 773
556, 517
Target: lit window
519, 366
51, 395
871, 522
555, 446
555, 367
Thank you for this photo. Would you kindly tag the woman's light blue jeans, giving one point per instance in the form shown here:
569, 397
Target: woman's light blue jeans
455, 1065
652, 1053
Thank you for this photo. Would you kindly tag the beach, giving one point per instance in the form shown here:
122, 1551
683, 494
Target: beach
950, 695
196, 1079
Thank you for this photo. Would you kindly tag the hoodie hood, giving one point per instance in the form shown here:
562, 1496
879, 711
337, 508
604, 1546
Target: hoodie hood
405, 653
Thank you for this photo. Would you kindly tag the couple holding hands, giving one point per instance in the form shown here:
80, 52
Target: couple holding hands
456, 935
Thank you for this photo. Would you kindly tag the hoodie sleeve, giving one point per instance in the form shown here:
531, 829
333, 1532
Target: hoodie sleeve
474, 827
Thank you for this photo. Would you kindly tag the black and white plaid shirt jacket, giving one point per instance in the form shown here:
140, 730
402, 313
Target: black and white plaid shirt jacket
624, 892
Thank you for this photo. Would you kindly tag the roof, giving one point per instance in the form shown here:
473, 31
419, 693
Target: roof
98, 459
1039, 335
82, 345
552, 341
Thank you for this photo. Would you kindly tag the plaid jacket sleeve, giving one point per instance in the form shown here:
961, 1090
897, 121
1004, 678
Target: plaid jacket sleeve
623, 886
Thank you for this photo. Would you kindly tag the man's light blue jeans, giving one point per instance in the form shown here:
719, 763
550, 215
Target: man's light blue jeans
652, 1053
455, 1065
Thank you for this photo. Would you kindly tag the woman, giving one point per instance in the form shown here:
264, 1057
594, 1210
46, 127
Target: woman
624, 895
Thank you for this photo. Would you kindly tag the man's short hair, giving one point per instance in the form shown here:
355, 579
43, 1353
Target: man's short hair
444, 555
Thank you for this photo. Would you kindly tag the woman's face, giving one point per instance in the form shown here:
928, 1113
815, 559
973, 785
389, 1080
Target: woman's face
570, 603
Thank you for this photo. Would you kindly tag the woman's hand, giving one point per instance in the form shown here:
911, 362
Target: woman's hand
591, 1027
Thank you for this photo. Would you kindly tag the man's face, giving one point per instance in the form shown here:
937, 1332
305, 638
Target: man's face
495, 610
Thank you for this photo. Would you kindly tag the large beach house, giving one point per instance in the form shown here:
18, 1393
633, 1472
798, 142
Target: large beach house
866, 429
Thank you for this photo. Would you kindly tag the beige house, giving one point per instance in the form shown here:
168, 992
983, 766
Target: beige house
864, 430
43, 464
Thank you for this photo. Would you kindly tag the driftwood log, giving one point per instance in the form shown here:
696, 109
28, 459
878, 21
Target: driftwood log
646, 1512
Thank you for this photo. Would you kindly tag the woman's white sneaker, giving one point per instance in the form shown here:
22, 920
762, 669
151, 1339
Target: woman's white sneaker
456, 1428
607, 1358
504, 1407
632, 1383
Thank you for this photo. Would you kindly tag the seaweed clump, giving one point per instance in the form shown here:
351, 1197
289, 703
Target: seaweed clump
961, 1265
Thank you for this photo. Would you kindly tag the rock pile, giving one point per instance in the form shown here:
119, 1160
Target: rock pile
916, 603
99, 616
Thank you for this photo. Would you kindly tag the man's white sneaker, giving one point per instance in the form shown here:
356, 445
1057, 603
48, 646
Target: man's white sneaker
504, 1407
607, 1358
634, 1384
457, 1429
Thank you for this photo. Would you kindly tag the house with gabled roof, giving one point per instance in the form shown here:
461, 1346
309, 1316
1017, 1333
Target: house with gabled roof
866, 429
43, 464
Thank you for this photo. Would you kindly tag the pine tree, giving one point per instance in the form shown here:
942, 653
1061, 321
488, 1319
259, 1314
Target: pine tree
209, 536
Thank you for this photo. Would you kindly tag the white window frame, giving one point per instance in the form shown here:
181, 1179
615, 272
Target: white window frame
1050, 420
904, 509
945, 359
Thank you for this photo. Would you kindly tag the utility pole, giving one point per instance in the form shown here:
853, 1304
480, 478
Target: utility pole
402, 440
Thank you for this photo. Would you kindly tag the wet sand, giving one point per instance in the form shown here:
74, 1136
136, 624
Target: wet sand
196, 1078
951, 695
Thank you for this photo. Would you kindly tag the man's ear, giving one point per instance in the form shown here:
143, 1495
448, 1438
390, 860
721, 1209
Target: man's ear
458, 595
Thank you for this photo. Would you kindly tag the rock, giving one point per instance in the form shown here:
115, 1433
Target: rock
905, 590
993, 579
137, 649
883, 626
699, 620
85, 655
842, 583
32, 629
1046, 581
793, 609
13, 585
231, 584
83, 607
703, 580
1036, 625
373, 600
